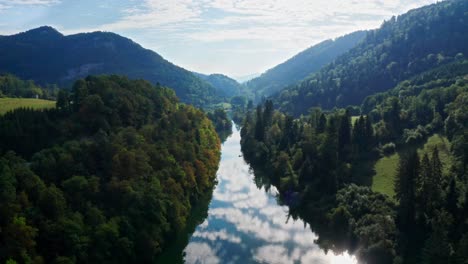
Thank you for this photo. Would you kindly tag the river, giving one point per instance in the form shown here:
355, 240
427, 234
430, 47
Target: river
245, 224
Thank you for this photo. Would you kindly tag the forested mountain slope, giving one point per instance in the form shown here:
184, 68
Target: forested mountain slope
402, 47
225, 86
322, 164
302, 65
109, 176
48, 57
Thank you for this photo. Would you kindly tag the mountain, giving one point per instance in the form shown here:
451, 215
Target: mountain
245, 78
225, 86
303, 64
48, 57
402, 47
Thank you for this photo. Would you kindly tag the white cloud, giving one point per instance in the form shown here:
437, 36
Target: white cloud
200, 253
291, 25
270, 31
12, 3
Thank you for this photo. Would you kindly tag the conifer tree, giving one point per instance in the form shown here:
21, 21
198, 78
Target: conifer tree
344, 138
408, 171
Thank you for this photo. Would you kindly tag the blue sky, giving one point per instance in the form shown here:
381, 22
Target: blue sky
234, 37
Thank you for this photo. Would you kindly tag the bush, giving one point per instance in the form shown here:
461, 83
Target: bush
414, 136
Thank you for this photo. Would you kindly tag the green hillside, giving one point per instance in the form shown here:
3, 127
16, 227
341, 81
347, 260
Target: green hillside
302, 65
402, 47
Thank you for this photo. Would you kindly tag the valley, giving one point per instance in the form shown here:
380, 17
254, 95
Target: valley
354, 150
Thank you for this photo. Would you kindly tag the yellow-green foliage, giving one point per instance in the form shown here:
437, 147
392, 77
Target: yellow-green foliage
353, 119
443, 145
8, 104
386, 167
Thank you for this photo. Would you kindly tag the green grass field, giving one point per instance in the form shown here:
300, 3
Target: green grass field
386, 167
385, 171
8, 104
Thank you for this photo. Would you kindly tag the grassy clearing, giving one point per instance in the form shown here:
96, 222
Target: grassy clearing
8, 104
386, 167
385, 172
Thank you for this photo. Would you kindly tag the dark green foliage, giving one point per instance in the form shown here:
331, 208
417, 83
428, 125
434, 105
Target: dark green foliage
302, 65
437, 248
222, 123
405, 189
371, 219
24, 55
315, 157
415, 42
416, 108
114, 181
310, 155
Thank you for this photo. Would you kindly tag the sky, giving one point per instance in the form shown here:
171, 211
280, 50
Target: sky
233, 37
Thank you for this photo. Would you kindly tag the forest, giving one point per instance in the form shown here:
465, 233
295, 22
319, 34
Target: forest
108, 176
401, 48
320, 164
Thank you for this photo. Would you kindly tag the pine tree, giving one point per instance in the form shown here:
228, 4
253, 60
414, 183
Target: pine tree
259, 126
359, 135
437, 249
424, 186
436, 180
322, 123
452, 198
369, 134
408, 171
344, 138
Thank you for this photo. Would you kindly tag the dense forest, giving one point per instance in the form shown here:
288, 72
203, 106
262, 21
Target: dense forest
225, 86
320, 164
401, 48
108, 176
95, 53
301, 65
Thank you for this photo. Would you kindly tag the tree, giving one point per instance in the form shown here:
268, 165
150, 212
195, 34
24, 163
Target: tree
322, 123
408, 172
425, 186
452, 199
268, 113
259, 125
437, 248
344, 138
369, 134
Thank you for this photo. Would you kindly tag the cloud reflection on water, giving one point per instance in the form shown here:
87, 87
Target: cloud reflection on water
245, 224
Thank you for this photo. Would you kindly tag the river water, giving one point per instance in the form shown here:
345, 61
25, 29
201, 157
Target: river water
245, 224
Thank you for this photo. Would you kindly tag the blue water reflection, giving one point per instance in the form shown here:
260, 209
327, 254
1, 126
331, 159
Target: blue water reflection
245, 224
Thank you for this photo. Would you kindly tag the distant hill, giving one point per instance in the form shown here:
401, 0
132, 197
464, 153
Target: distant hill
303, 64
402, 47
48, 57
246, 78
225, 86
